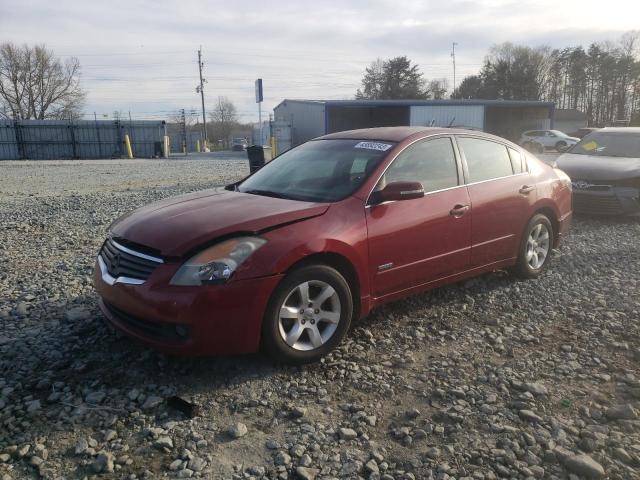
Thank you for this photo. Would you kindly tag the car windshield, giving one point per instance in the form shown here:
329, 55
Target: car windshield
559, 133
609, 144
319, 170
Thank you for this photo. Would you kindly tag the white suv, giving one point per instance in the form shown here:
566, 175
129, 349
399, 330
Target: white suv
536, 140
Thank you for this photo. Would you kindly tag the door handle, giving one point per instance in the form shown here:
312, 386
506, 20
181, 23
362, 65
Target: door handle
526, 189
459, 210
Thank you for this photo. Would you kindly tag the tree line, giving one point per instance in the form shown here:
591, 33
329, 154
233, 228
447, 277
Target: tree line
602, 80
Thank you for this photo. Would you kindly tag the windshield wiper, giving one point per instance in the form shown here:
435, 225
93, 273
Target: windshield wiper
268, 193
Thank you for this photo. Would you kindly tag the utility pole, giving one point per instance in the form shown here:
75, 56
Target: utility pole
453, 56
200, 89
183, 119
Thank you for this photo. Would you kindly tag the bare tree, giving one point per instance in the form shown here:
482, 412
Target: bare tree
190, 118
34, 84
223, 119
438, 88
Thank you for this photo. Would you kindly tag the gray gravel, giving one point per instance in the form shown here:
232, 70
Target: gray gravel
490, 378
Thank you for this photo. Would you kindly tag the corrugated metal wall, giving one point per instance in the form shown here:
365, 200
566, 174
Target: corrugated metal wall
306, 119
352, 118
57, 139
448, 115
176, 139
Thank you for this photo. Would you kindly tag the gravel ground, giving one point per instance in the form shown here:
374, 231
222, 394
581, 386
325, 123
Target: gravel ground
490, 378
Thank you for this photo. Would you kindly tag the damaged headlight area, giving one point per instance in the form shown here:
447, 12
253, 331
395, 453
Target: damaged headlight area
217, 263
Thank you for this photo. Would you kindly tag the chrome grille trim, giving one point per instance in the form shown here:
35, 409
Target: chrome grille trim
122, 264
137, 254
111, 280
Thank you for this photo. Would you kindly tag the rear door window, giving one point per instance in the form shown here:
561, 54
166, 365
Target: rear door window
486, 159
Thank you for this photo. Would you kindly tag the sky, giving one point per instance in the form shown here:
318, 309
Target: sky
141, 56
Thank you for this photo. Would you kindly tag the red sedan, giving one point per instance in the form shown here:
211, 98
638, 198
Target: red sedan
286, 258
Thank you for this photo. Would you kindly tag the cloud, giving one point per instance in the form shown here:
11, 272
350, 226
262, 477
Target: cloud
141, 55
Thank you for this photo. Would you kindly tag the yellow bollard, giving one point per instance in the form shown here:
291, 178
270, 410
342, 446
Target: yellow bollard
274, 147
198, 146
127, 144
166, 147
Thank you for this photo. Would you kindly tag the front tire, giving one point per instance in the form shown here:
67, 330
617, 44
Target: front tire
308, 315
561, 146
535, 247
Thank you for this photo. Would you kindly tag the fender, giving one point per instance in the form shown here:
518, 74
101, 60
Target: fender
342, 233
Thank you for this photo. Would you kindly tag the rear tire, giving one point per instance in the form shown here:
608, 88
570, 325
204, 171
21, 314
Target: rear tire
308, 315
535, 248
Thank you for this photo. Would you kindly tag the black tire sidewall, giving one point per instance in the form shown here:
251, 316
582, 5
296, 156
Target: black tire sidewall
273, 343
561, 146
523, 268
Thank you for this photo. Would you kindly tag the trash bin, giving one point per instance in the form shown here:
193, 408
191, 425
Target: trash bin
157, 149
256, 157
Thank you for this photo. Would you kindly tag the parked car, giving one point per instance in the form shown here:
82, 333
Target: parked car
533, 146
583, 132
239, 144
605, 171
549, 139
288, 257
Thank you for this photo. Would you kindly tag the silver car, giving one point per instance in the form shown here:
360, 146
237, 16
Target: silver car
605, 172
548, 139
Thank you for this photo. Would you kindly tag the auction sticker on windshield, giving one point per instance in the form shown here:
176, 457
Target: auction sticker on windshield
383, 147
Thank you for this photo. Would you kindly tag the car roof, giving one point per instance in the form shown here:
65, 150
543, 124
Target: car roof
398, 134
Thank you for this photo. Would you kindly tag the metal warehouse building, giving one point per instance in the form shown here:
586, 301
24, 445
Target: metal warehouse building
506, 118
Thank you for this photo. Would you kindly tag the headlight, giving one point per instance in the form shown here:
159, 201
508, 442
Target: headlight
217, 263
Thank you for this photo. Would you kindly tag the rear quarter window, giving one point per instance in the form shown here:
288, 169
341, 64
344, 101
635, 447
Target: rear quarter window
517, 162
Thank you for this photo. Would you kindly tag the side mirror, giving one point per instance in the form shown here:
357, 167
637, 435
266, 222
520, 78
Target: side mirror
396, 191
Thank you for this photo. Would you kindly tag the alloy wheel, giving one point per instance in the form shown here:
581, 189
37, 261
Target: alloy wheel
538, 246
309, 315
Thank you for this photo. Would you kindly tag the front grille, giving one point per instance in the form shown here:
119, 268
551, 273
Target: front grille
592, 186
124, 261
154, 330
597, 204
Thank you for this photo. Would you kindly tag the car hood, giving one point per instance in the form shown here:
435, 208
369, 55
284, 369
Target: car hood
177, 225
590, 167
